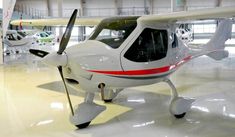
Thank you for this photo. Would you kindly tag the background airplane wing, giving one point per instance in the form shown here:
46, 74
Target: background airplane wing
56, 22
201, 14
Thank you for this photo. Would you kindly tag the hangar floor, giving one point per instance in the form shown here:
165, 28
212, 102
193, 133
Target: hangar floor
33, 103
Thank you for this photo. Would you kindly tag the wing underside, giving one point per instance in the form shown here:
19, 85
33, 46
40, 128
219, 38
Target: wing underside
215, 13
56, 22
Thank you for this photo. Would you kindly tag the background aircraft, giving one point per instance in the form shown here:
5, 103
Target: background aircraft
14, 39
17, 38
44, 37
140, 51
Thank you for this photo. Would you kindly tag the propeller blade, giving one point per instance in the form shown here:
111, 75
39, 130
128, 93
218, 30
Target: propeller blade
66, 89
38, 53
67, 33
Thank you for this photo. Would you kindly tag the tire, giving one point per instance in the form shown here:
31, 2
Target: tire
180, 115
108, 100
84, 125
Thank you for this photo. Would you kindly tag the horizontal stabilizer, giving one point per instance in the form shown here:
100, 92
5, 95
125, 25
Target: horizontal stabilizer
218, 55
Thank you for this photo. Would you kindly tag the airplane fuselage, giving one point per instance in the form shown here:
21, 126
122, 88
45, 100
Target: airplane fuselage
130, 51
131, 64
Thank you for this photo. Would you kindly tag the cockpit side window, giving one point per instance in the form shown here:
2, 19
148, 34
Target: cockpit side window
151, 45
13, 37
21, 33
43, 35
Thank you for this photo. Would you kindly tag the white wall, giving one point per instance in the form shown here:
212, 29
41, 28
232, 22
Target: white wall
53, 7
161, 6
132, 3
99, 8
199, 4
127, 7
162, 3
29, 5
68, 7
228, 3
99, 4
33, 3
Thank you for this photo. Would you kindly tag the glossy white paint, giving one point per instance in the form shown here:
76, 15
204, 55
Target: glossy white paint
94, 55
92, 63
54, 59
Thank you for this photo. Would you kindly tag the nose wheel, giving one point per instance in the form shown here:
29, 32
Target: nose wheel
180, 115
84, 125
108, 100
85, 112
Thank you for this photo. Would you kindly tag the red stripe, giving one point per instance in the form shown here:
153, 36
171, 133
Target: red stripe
135, 72
144, 72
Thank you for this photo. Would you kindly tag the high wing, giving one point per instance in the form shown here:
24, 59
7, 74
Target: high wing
56, 22
215, 13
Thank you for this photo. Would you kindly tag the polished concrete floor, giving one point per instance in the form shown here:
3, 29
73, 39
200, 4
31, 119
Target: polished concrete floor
33, 103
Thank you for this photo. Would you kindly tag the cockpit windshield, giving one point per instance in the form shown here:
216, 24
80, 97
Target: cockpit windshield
114, 31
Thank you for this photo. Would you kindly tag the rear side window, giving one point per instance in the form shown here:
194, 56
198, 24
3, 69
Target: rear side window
175, 41
151, 45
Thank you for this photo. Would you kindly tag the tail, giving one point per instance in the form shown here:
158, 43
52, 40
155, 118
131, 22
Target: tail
215, 47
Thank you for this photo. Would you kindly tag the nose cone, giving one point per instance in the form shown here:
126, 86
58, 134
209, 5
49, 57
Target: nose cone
54, 59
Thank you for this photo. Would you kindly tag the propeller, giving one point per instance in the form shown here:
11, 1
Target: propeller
67, 33
59, 59
63, 45
66, 90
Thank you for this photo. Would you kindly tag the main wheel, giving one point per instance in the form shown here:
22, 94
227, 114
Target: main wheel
84, 125
108, 100
180, 115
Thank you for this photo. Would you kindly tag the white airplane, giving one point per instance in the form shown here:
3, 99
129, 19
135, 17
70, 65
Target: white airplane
139, 51
17, 38
44, 37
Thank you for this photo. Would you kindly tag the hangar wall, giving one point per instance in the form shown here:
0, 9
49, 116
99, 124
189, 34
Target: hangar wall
228, 3
32, 6
114, 7
94, 8
201, 3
